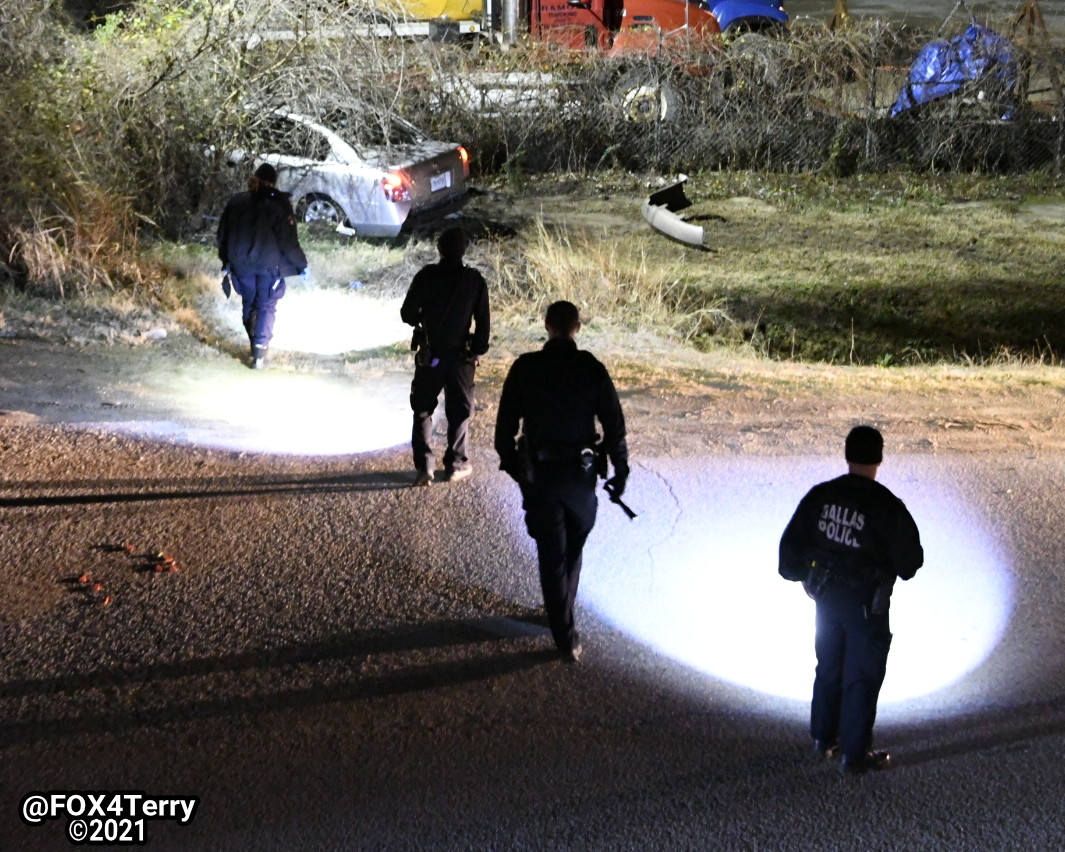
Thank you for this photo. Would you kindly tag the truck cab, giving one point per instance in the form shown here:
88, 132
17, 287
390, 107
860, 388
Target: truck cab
620, 27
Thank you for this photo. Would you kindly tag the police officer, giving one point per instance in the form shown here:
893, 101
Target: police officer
553, 397
443, 300
848, 541
258, 247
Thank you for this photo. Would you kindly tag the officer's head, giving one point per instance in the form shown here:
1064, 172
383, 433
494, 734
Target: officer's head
864, 450
562, 320
264, 175
452, 244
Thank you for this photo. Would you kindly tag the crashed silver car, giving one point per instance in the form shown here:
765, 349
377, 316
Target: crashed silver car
372, 178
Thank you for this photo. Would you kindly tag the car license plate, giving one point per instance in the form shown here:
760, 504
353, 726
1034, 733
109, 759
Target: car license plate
440, 181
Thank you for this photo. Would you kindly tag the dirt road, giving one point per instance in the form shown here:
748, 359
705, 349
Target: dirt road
342, 662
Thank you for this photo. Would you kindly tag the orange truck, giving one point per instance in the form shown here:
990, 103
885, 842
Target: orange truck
620, 27
611, 26
682, 32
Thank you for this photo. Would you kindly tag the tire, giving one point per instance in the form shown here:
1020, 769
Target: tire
318, 209
761, 60
642, 97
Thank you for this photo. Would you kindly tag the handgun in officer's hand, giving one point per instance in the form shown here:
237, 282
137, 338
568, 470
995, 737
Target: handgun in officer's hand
614, 489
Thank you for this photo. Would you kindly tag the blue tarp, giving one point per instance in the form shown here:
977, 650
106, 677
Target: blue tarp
944, 67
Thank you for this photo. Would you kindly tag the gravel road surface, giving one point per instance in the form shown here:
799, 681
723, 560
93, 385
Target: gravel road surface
343, 662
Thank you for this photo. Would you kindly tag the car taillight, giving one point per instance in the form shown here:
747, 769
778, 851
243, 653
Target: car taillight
464, 155
394, 188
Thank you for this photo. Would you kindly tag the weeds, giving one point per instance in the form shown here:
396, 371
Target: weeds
92, 247
837, 279
131, 141
626, 283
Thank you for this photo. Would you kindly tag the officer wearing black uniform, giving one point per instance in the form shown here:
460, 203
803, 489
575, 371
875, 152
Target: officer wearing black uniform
553, 397
258, 247
848, 541
443, 300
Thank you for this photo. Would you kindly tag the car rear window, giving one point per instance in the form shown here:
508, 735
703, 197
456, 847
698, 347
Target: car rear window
293, 139
371, 129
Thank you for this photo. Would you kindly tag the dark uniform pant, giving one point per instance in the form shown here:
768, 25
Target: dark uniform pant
260, 292
560, 507
453, 374
852, 649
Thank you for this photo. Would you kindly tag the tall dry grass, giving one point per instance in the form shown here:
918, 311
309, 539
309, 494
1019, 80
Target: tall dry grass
91, 246
630, 283
144, 108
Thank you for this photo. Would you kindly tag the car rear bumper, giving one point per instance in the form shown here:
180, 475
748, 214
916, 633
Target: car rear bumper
428, 215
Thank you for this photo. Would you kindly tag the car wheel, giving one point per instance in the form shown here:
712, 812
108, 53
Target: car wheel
643, 96
318, 209
760, 60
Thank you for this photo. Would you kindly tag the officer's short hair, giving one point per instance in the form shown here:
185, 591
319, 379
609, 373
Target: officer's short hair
266, 173
865, 445
452, 243
563, 317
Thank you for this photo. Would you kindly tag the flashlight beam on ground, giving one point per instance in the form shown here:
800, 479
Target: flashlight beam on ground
697, 580
320, 321
282, 412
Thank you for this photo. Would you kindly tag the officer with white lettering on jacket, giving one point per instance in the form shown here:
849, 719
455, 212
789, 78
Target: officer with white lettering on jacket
848, 541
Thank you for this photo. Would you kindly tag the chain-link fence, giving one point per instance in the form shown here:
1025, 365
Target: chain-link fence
816, 99
141, 111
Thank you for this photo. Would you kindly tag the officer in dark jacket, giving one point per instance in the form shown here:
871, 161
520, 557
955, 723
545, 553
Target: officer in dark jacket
443, 300
258, 246
553, 398
848, 541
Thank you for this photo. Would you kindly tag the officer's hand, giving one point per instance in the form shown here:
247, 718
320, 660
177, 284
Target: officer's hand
615, 486
305, 274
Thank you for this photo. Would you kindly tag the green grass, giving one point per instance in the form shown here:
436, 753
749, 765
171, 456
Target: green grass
879, 272
896, 270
